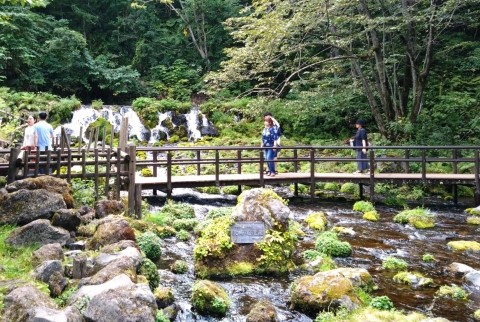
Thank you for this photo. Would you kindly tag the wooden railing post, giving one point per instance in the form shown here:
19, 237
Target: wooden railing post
12, 165
239, 168
372, 175
262, 162
96, 174
217, 168
424, 165
131, 179
295, 169
155, 168
169, 174
107, 173
455, 171
407, 162
477, 178
198, 162
312, 173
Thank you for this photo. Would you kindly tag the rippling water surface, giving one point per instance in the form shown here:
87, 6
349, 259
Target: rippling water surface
372, 243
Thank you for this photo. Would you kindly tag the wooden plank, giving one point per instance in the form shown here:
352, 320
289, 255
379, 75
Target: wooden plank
131, 180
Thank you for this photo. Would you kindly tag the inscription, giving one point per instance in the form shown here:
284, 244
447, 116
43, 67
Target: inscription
247, 232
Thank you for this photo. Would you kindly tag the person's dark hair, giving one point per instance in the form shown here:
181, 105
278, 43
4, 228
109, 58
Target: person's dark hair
269, 120
42, 115
267, 114
360, 122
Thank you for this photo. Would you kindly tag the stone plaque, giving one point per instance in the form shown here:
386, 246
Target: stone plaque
247, 232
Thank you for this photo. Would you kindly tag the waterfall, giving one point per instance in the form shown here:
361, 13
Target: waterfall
160, 128
192, 125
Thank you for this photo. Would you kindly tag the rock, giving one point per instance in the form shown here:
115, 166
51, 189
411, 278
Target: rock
40, 232
78, 245
119, 246
51, 273
262, 311
458, 269
328, 290
473, 279
210, 130
20, 304
413, 279
41, 314
116, 300
210, 298
24, 206
163, 296
171, 311
121, 266
49, 183
464, 245
47, 252
111, 229
103, 208
67, 218
104, 259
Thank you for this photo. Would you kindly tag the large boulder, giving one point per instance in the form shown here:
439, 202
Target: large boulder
49, 183
262, 311
47, 252
110, 230
116, 300
38, 232
51, 273
27, 304
328, 290
263, 241
473, 279
210, 298
24, 206
103, 208
122, 265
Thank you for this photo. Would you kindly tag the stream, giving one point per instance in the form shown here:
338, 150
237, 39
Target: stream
372, 243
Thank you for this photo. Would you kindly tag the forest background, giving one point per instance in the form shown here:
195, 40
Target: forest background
410, 68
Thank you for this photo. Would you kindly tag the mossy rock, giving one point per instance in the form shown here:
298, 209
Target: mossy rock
476, 315
179, 267
363, 206
453, 292
464, 245
317, 221
473, 211
146, 172
210, 298
262, 311
367, 314
163, 296
149, 270
473, 220
344, 230
414, 279
151, 245
419, 218
371, 216
394, 264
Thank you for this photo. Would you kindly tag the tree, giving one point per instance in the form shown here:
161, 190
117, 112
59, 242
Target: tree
387, 47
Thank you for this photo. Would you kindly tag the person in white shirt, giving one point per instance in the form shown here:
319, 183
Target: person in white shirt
29, 136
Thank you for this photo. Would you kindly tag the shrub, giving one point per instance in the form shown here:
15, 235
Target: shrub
329, 244
150, 244
214, 239
219, 212
179, 267
183, 235
349, 188
149, 270
146, 172
178, 210
428, 257
332, 186
230, 190
185, 224
394, 264
317, 221
382, 303
160, 317
454, 292
363, 206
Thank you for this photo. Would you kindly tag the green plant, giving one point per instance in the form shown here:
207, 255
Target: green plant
185, 224
329, 244
363, 206
382, 303
150, 244
454, 292
146, 172
418, 217
179, 267
219, 212
214, 239
371, 215
149, 270
428, 257
62, 299
394, 264
332, 186
83, 192
316, 220
183, 235
349, 188
160, 317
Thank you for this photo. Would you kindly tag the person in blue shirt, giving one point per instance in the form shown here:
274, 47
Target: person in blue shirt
269, 142
361, 140
277, 128
43, 133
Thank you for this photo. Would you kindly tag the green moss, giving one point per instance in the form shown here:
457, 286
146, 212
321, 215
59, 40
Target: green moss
146, 172
476, 315
160, 317
350, 188
149, 270
454, 292
419, 218
164, 295
364, 314
332, 186
179, 267
317, 221
188, 224
344, 230
240, 268
371, 216
462, 245
473, 220
150, 244
214, 240
210, 298
473, 211
363, 206
183, 235
382, 303
219, 212
326, 262
428, 257
209, 190
329, 244
410, 278
394, 264
230, 190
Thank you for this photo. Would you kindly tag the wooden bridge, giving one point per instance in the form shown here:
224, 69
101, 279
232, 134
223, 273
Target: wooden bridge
181, 167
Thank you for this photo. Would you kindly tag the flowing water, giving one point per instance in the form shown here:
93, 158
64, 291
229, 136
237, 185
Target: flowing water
372, 243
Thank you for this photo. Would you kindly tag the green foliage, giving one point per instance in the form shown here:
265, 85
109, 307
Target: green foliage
428, 257
146, 172
210, 298
329, 244
183, 235
419, 218
160, 317
332, 186
150, 271
363, 206
371, 215
394, 264
150, 244
178, 210
454, 292
214, 240
349, 188
83, 192
63, 299
187, 224
382, 303
219, 212
179, 267
327, 263
317, 221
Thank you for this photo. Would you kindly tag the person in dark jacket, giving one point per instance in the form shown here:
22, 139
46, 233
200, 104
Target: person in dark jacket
269, 142
361, 141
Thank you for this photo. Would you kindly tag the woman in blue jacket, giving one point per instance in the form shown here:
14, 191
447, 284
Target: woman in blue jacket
270, 143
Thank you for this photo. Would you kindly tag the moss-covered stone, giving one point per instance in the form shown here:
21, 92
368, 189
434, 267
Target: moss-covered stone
344, 230
453, 291
149, 270
210, 298
394, 264
419, 218
349, 188
363, 206
371, 216
150, 244
317, 221
414, 279
473, 220
473, 211
462, 245
476, 315
163, 296
262, 311
179, 267
365, 314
